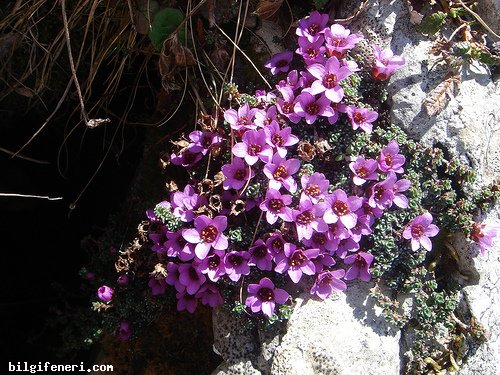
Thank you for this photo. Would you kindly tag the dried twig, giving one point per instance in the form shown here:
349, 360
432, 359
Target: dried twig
30, 196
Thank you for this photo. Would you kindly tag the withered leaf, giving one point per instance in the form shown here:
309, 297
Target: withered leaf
266, 9
438, 97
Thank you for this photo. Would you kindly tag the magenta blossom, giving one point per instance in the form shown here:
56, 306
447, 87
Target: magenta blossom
236, 264
310, 108
401, 185
312, 52
345, 246
158, 286
327, 78
313, 26
280, 62
328, 282
343, 208
260, 256
122, 279
286, 104
291, 81
390, 160
105, 293
185, 202
385, 63
315, 186
280, 139
264, 296
275, 243
308, 218
191, 277
296, 261
186, 302
213, 265
280, 171
361, 118
203, 141
339, 40
360, 266
264, 118
209, 295
237, 174
419, 230
382, 193
363, 170
178, 247
275, 205
206, 234
483, 235
124, 331
186, 158
324, 241
243, 119
173, 277
253, 147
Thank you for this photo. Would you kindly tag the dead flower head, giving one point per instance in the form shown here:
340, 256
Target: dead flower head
306, 151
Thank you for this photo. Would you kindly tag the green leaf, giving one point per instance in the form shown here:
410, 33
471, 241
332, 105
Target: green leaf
431, 24
165, 23
488, 58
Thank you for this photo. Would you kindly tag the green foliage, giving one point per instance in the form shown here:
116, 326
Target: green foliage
164, 24
432, 23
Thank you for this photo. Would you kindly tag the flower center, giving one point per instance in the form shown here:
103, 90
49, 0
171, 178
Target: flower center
379, 192
358, 118
193, 275
304, 218
209, 233
239, 174
277, 245
360, 262
417, 230
265, 294
276, 205
287, 107
206, 141
213, 261
244, 120
319, 238
282, 63
235, 259
313, 29
278, 140
326, 279
312, 52
312, 190
340, 208
297, 259
362, 172
254, 149
330, 81
312, 109
280, 173
388, 159
260, 251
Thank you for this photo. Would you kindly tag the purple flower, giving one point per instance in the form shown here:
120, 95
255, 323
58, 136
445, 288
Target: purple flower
360, 266
186, 302
382, 193
260, 256
266, 117
315, 186
203, 141
264, 296
327, 282
286, 104
401, 185
280, 138
276, 205
363, 170
390, 160
385, 63
483, 235
186, 158
346, 245
185, 202
253, 147
236, 263
361, 118
339, 40
275, 243
343, 208
173, 277
321, 261
419, 230
323, 241
213, 265
296, 261
243, 119
279, 62
312, 52
124, 331
309, 107
237, 174
177, 246
122, 280
207, 234
313, 26
280, 172
209, 295
328, 77
159, 240
158, 286
362, 228
308, 218
191, 277
105, 293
